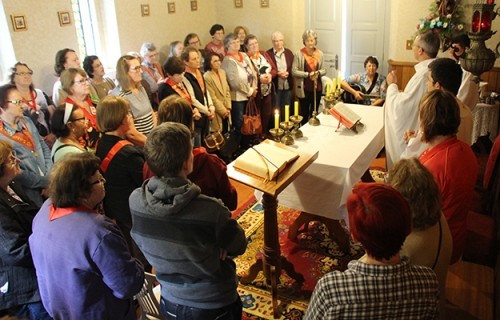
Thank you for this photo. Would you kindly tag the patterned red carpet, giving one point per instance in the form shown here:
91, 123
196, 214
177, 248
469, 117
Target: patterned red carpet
313, 254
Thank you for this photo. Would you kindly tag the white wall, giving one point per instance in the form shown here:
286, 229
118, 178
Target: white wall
37, 46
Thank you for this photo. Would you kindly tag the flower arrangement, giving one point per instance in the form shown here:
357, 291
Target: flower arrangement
444, 18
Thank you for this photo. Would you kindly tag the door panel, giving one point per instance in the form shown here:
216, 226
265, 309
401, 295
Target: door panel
364, 33
325, 17
362, 24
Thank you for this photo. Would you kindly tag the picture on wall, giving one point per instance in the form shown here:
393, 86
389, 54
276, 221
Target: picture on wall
194, 5
145, 10
238, 3
18, 22
171, 7
64, 18
264, 3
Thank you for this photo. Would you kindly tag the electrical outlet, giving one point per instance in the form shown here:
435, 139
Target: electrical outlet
409, 44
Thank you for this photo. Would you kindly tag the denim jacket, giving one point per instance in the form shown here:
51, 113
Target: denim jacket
35, 165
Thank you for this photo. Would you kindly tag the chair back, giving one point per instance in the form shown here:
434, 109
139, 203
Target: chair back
147, 299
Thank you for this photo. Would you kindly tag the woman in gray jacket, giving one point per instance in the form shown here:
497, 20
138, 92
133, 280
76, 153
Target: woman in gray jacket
308, 67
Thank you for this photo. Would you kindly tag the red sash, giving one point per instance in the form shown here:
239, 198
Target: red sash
311, 60
56, 213
31, 103
111, 154
180, 90
91, 116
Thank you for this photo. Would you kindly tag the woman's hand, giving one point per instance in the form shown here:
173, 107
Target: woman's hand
314, 75
358, 95
266, 78
196, 114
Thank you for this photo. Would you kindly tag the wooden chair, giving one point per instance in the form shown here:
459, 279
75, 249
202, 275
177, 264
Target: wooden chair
147, 300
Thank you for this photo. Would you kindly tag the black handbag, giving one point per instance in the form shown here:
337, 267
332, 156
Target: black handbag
230, 146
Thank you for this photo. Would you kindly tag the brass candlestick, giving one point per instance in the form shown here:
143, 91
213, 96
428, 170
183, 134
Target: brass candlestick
296, 129
314, 121
277, 133
287, 138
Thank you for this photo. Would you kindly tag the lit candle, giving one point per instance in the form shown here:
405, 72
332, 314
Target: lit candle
287, 113
339, 79
296, 107
334, 84
327, 89
276, 119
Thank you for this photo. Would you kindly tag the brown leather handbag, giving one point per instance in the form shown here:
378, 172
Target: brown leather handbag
252, 123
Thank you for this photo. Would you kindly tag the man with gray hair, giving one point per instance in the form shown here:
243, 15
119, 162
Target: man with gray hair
186, 236
283, 82
401, 108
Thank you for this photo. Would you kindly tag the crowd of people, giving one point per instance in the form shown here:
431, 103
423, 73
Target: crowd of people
76, 247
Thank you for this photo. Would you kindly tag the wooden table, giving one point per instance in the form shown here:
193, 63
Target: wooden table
272, 261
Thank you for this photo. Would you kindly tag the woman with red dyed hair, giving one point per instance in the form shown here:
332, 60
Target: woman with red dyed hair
381, 284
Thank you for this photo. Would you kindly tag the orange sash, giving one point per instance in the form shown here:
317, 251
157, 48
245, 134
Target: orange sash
180, 90
22, 137
311, 60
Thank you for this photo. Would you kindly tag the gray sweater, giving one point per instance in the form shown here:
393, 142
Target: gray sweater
181, 233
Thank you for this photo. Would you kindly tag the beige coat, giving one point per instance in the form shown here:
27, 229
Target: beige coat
221, 98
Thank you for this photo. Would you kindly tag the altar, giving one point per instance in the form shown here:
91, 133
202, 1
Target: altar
343, 157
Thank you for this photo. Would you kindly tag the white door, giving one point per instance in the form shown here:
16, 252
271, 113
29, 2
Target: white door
349, 31
325, 17
365, 36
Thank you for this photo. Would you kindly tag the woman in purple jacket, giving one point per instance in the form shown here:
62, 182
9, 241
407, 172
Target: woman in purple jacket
82, 261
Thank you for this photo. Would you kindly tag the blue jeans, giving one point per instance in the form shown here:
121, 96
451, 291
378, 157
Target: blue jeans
32, 311
237, 109
282, 98
174, 311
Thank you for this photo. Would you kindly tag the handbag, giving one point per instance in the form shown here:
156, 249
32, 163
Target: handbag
252, 124
214, 140
231, 143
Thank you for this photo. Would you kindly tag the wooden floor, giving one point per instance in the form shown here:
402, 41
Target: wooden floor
469, 287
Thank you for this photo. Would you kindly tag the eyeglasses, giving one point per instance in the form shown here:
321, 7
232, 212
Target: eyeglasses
100, 180
16, 102
79, 119
194, 42
29, 73
134, 69
82, 81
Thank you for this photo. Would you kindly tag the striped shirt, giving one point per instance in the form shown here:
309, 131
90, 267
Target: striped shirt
367, 291
141, 109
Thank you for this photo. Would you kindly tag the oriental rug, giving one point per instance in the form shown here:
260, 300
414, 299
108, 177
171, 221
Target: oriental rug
313, 254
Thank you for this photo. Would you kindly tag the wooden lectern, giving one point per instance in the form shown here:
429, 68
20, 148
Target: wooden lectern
272, 261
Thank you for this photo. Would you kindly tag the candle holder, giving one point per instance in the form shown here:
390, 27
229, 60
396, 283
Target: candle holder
277, 133
296, 129
287, 127
314, 121
478, 58
331, 99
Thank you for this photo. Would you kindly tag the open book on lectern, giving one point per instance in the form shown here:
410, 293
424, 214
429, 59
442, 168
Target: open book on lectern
265, 160
345, 115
